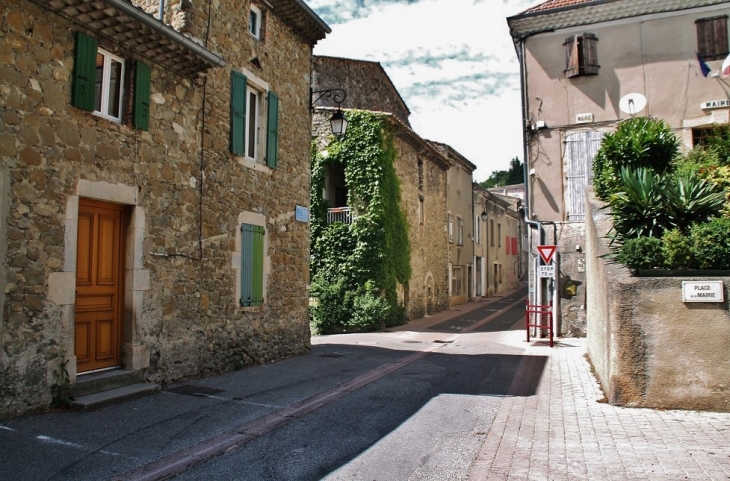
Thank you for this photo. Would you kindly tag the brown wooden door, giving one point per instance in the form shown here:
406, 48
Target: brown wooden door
99, 286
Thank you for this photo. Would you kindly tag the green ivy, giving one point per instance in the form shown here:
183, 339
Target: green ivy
355, 269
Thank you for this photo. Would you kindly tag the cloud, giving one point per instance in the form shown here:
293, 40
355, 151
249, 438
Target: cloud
452, 61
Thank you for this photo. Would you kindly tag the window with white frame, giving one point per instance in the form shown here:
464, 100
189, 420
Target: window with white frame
461, 231
254, 120
477, 228
108, 85
451, 228
254, 21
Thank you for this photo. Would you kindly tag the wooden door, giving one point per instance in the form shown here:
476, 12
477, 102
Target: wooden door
99, 286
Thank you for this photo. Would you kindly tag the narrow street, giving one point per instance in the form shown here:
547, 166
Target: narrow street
412, 403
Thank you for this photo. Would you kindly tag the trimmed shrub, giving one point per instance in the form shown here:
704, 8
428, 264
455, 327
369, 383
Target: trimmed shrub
711, 244
641, 253
676, 250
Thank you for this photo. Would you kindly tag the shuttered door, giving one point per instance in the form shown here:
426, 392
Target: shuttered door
580, 149
252, 265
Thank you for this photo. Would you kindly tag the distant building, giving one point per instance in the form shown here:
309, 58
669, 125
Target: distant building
516, 190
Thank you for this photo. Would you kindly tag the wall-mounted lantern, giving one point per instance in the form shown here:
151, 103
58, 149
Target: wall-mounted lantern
338, 122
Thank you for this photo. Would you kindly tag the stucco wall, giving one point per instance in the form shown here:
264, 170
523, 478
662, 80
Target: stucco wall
649, 348
182, 317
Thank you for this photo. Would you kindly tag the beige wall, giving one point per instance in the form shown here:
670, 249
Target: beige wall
649, 348
458, 206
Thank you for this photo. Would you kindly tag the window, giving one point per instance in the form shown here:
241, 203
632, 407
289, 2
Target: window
99, 79
461, 231
477, 228
248, 116
701, 136
254, 21
451, 228
252, 265
421, 211
712, 37
581, 56
580, 149
499, 234
456, 281
420, 175
491, 232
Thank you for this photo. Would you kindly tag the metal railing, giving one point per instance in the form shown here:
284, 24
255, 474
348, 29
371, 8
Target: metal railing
339, 214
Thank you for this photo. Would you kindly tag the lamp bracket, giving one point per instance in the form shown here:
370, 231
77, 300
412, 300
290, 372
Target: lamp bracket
338, 96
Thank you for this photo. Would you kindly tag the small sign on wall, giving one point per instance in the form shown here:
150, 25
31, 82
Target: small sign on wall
702, 291
301, 213
586, 118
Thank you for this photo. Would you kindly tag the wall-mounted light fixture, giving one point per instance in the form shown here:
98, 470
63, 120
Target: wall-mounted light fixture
338, 122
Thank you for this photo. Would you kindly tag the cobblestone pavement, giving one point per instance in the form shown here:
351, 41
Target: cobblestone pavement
565, 431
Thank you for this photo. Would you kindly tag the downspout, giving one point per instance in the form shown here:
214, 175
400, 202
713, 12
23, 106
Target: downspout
520, 49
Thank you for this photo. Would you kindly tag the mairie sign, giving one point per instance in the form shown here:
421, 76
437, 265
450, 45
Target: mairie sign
547, 253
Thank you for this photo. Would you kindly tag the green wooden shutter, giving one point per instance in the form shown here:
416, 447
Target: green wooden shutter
252, 265
238, 113
142, 96
272, 131
84, 74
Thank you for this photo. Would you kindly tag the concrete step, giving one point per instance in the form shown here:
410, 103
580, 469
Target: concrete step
104, 381
116, 395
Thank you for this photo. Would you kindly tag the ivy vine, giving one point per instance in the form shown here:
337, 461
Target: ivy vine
356, 268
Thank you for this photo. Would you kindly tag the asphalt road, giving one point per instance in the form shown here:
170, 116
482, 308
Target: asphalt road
414, 403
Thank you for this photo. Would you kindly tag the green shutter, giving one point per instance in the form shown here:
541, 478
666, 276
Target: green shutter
252, 265
272, 131
84, 75
142, 96
238, 113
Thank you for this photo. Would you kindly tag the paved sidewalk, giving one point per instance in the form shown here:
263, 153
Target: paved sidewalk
566, 432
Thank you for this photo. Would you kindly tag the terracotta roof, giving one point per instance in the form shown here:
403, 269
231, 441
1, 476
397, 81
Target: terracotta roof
555, 4
557, 14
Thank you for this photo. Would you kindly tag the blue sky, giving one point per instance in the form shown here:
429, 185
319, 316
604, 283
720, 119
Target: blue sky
453, 62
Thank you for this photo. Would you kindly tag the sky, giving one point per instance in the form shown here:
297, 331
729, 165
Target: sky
452, 61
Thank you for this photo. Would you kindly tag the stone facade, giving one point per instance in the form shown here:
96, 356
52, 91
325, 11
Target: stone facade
185, 198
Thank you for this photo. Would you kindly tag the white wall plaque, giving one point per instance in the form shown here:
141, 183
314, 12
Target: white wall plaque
301, 213
702, 291
584, 118
715, 104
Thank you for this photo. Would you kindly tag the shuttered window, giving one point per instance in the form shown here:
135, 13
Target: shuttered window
252, 265
580, 149
142, 96
712, 41
272, 130
84, 75
581, 55
238, 113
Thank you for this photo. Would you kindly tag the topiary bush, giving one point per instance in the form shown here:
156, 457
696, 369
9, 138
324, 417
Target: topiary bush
711, 244
641, 253
637, 142
677, 250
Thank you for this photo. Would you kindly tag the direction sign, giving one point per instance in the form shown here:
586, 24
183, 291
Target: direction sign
547, 252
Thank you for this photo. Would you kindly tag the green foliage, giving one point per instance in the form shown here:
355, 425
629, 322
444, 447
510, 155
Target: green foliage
514, 175
647, 204
641, 253
61, 390
719, 143
638, 142
707, 164
711, 244
355, 269
676, 250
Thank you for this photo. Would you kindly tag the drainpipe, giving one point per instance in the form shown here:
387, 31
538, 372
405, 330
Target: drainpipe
520, 49
161, 13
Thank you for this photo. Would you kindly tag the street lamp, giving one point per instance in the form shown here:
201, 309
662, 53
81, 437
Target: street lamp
338, 122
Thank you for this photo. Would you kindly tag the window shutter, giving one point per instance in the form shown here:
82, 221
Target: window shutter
272, 130
84, 74
580, 149
590, 54
572, 63
238, 113
142, 96
252, 265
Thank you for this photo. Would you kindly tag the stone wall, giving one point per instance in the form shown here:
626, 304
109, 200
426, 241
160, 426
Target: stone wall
648, 348
185, 194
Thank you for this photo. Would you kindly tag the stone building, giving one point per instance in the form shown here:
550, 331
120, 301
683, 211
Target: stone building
421, 169
586, 66
499, 254
149, 180
459, 225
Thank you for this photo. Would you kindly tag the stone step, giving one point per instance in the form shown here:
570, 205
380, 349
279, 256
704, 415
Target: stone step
104, 381
116, 395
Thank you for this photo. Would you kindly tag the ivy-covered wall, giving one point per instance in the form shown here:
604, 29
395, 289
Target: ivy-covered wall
356, 268
391, 263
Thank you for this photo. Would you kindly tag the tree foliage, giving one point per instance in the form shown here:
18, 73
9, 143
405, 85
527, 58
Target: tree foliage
514, 175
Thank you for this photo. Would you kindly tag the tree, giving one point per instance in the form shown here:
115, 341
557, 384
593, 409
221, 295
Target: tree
501, 178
